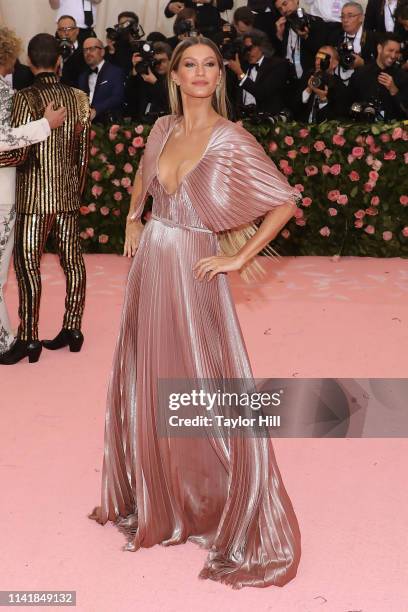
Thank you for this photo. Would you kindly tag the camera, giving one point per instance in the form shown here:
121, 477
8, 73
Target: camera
366, 112
298, 20
66, 48
346, 54
230, 46
320, 79
256, 117
185, 26
127, 32
147, 52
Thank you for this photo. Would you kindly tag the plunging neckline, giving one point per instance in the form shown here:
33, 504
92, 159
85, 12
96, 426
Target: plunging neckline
170, 132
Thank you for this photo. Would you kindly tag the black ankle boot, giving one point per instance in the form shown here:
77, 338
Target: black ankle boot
20, 349
67, 337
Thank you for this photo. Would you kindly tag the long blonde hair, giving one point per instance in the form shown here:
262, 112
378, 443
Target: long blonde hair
231, 241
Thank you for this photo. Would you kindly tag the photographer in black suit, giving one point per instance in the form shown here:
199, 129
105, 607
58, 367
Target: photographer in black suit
322, 96
146, 93
383, 83
401, 15
380, 15
264, 15
298, 38
260, 80
208, 13
72, 56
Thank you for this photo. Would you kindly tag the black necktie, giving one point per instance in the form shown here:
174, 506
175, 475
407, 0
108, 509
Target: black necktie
88, 16
94, 70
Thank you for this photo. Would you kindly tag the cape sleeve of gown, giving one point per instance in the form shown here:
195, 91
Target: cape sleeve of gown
236, 182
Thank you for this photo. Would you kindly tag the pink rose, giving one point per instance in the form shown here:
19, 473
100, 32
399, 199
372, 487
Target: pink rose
371, 211
370, 140
283, 163
359, 214
128, 134
390, 155
325, 169
96, 191
116, 182
96, 175
292, 154
328, 153
370, 229
84, 210
114, 129
335, 169
119, 148
333, 195
324, 231
83, 235
342, 199
300, 222
138, 142
304, 150
288, 140
94, 151
285, 233
385, 137
103, 157
139, 129
405, 231
304, 133
354, 176
273, 147
92, 207
103, 238
126, 182
332, 212
299, 187
128, 168
311, 170
387, 236
358, 224
111, 168
374, 149
404, 200
93, 134
307, 201
373, 175
375, 200
132, 151
376, 165
397, 133
319, 145
357, 152
370, 160
350, 159
116, 212
360, 139
299, 213
338, 140
117, 196
104, 210
287, 170
90, 231
368, 187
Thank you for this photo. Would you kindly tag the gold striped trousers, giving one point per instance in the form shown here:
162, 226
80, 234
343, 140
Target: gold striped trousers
31, 233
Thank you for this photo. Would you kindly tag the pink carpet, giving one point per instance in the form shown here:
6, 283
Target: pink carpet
312, 317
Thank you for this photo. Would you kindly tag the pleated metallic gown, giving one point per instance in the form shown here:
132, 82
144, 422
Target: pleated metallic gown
224, 493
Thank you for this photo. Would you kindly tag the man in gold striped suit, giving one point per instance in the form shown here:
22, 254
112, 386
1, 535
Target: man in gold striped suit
50, 179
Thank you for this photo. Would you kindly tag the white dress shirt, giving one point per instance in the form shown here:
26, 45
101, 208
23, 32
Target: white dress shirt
92, 81
389, 10
305, 98
76, 9
329, 10
293, 52
252, 72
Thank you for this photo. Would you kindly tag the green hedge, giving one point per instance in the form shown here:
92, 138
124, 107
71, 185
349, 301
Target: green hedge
353, 178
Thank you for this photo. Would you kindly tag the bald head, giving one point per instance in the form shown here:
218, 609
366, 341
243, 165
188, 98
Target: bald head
94, 51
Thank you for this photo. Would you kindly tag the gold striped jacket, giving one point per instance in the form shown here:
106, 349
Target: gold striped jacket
51, 175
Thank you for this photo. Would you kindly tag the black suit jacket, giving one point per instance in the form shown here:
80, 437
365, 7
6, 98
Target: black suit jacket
318, 37
138, 94
375, 16
22, 76
208, 16
368, 43
337, 106
73, 67
365, 87
269, 86
109, 92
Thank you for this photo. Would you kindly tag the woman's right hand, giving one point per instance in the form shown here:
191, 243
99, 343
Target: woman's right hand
132, 237
55, 117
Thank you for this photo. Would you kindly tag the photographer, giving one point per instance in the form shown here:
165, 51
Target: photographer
401, 15
82, 11
380, 15
322, 96
383, 84
146, 89
73, 63
264, 15
209, 20
260, 80
185, 24
121, 40
298, 36
355, 46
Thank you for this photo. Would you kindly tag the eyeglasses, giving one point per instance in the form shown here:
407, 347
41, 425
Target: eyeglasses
350, 15
68, 29
87, 49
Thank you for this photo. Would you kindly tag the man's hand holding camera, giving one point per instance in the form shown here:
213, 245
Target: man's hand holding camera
150, 77
388, 82
320, 93
235, 66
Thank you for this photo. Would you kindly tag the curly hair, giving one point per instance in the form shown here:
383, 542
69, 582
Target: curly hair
10, 45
